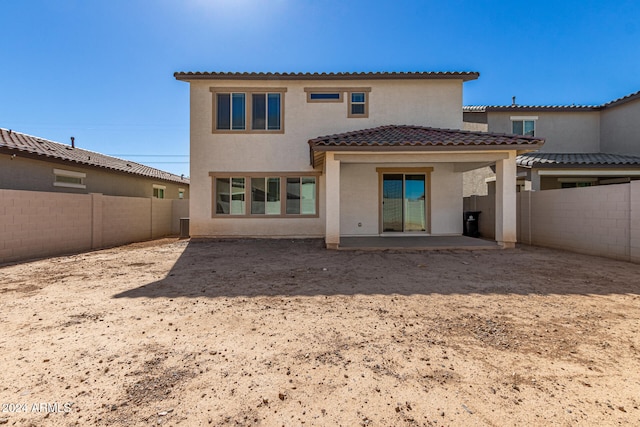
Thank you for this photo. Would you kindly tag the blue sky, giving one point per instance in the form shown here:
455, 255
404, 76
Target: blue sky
102, 71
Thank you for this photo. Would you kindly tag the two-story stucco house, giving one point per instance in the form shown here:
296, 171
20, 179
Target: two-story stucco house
585, 145
339, 154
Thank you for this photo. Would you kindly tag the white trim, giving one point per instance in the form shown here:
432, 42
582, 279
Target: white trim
162, 187
71, 174
577, 179
516, 118
68, 185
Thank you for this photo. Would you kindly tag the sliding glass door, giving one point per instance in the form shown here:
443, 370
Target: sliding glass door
404, 203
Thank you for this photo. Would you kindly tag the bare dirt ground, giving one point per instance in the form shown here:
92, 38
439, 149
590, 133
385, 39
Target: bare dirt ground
286, 333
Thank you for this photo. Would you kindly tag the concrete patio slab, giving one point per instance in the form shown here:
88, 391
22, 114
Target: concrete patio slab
422, 243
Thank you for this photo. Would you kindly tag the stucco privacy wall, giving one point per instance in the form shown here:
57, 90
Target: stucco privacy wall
390, 102
600, 220
37, 224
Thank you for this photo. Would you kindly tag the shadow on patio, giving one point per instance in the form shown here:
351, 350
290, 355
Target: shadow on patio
263, 267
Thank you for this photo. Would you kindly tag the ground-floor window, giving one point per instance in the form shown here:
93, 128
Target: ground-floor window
265, 194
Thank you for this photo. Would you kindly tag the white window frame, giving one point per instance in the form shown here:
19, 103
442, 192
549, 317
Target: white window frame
69, 174
523, 119
181, 193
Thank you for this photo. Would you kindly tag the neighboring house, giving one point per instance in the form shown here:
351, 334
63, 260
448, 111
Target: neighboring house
585, 144
32, 163
391, 163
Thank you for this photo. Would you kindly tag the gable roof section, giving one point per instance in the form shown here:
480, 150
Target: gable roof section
419, 138
213, 75
35, 147
577, 160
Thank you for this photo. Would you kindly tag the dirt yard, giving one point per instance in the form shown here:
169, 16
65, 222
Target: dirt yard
286, 333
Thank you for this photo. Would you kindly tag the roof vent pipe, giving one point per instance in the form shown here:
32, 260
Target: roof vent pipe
513, 101
73, 142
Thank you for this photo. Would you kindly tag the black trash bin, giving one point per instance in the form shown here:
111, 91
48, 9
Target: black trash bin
471, 225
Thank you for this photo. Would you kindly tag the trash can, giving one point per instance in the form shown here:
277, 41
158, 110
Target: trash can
184, 228
471, 225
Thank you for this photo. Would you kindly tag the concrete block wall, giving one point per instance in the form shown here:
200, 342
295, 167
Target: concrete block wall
36, 224
161, 210
179, 209
125, 220
601, 220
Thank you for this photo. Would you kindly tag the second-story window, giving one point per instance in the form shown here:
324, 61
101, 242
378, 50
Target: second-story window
523, 125
248, 110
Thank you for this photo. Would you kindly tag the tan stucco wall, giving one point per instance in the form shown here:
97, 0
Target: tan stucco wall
37, 224
619, 128
436, 103
22, 173
564, 132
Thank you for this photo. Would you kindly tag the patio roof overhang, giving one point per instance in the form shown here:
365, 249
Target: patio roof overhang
413, 139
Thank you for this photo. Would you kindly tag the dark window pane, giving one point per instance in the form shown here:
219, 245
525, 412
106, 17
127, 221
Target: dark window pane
324, 96
238, 111
517, 128
357, 108
274, 111
357, 97
258, 111
392, 199
293, 196
223, 109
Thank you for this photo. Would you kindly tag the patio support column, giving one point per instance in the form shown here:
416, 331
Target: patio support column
506, 201
332, 201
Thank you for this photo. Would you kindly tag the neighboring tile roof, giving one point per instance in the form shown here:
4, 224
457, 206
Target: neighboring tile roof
418, 136
16, 141
573, 107
576, 160
464, 75
486, 108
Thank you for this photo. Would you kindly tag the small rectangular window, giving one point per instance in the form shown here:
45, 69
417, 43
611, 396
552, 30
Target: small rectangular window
69, 179
325, 96
158, 191
358, 105
181, 193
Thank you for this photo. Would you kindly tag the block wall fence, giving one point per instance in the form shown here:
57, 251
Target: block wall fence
601, 220
36, 224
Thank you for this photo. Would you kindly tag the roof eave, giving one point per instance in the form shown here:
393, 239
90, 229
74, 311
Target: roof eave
435, 75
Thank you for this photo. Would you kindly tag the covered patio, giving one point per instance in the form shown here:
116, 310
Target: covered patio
393, 183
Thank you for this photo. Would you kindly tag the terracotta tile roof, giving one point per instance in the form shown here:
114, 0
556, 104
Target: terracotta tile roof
464, 75
403, 137
20, 142
576, 160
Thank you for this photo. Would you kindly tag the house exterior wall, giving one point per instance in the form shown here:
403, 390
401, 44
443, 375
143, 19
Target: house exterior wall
618, 128
23, 173
564, 132
360, 198
436, 103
